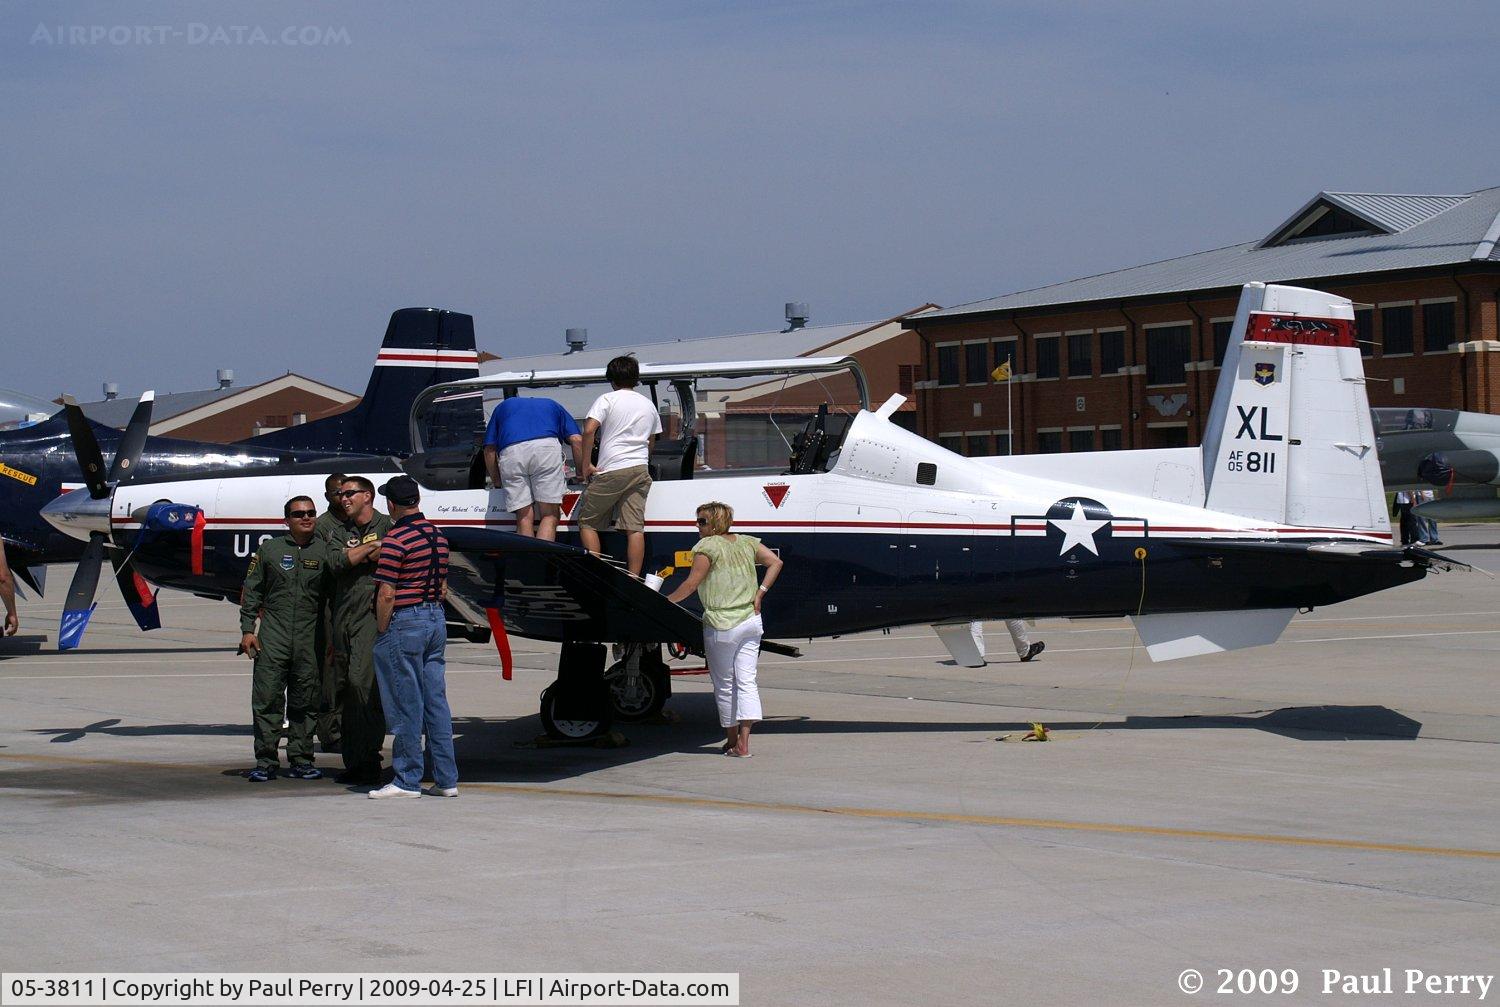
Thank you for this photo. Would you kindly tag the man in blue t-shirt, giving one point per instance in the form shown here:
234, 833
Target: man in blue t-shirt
523, 458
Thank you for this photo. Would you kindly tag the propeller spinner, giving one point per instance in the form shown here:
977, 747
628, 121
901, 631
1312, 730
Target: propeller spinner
84, 514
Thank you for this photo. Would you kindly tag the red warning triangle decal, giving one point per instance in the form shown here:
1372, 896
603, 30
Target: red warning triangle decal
569, 501
776, 492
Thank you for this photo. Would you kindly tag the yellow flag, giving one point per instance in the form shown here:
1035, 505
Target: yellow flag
1002, 373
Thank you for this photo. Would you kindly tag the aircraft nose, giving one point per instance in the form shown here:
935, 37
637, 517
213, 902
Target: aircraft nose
77, 514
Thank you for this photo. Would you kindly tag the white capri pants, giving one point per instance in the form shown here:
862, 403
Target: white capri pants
1018, 635
732, 655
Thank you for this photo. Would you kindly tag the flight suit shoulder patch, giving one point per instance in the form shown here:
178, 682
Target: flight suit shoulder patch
254, 562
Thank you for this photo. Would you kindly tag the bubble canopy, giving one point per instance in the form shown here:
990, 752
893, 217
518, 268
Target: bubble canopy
21, 410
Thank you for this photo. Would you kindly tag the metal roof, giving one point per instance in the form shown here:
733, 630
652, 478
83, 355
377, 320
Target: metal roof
116, 412
772, 345
1467, 229
1392, 212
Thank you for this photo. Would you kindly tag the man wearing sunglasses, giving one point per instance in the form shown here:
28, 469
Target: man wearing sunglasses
284, 589
353, 550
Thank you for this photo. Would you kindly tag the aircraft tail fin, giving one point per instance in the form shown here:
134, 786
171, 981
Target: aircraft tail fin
423, 346
1289, 438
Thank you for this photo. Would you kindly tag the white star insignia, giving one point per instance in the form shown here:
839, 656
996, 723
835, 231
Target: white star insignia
1078, 530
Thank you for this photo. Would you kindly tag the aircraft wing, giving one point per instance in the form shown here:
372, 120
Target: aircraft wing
548, 591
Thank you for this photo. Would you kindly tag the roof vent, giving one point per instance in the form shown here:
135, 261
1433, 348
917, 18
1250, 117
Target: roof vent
577, 339
226, 377
796, 315
111, 390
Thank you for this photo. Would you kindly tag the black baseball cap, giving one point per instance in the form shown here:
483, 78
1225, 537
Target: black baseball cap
401, 490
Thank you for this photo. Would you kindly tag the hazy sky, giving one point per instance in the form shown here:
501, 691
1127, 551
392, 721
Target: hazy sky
173, 201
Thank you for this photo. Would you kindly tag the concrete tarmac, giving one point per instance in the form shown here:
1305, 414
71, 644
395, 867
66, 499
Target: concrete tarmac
1329, 802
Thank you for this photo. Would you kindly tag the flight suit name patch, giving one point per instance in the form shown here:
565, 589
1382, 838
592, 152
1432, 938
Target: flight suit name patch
311, 564
369, 537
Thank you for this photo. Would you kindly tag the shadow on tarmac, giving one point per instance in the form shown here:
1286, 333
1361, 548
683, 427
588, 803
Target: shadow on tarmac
503, 751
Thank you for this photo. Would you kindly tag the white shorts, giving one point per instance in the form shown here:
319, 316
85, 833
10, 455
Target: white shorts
532, 472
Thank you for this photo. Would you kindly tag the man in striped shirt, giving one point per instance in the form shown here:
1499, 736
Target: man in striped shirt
409, 647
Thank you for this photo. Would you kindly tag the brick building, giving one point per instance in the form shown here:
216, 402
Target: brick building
226, 414
1130, 358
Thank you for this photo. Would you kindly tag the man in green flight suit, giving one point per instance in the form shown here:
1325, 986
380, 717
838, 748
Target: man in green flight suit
353, 550
284, 587
331, 696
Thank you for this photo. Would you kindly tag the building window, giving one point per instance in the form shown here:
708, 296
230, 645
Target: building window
1005, 349
1111, 351
1002, 443
1046, 356
1081, 355
1048, 442
1395, 327
947, 365
1081, 440
1168, 349
953, 442
1437, 326
976, 363
906, 377
1221, 340
1109, 439
977, 446
1364, 331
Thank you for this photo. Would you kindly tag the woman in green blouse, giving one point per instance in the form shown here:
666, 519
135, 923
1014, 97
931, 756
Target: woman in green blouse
723, 574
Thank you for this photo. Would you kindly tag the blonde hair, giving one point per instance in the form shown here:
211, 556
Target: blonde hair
719, 517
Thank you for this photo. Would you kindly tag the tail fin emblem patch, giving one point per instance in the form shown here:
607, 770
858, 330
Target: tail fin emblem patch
1265, 373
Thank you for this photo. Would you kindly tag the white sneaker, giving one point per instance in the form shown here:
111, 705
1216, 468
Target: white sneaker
391, 790
441, 791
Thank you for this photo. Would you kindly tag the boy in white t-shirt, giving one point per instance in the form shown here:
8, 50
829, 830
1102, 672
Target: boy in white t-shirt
624, 420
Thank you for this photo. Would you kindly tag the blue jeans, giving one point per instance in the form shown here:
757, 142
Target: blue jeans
409, 665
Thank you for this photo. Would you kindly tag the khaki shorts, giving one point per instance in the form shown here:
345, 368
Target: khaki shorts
621, 494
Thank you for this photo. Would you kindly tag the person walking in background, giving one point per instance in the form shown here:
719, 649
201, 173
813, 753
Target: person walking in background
624, 420
410, 651
1025, 649
1427, 532
284, 588
723, 575
522, 457
1401, 506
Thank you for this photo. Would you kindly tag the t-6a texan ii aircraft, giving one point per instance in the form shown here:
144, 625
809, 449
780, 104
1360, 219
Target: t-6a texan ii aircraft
421, 346
1206, 549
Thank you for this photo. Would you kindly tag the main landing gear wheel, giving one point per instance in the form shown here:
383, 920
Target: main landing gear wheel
637, 692
565, 728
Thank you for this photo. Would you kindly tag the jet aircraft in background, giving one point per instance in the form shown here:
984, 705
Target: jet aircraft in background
1456, 451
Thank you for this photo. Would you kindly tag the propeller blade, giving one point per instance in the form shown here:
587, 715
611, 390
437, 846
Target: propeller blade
80, 604
129, 451
86, 448
138, 595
